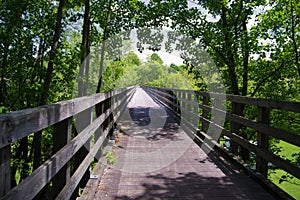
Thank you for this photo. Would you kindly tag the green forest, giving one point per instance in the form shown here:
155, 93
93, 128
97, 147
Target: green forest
57, 50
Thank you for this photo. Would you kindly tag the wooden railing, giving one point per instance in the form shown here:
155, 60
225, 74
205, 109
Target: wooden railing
92, 130
190, 101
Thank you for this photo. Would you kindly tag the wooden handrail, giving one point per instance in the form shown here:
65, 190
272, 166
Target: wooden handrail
175, 98
19, 124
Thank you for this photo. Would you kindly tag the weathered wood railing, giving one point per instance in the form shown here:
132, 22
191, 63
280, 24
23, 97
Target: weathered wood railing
186, 101
91, 133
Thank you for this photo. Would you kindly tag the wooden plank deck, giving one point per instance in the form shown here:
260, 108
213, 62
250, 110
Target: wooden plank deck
156, 160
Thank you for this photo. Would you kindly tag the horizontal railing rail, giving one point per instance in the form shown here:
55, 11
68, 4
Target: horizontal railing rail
208, 103
92, 130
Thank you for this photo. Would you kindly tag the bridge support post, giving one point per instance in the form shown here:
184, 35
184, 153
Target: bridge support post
61, 137
83, 120
183, 103
235, 127
262, 141
99, 110
189, 106
179, 102
217, 117
170, 98
205, 115
196, 110
5, 176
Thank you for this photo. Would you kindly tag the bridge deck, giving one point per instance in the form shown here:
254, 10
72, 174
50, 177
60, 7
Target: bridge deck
155, 159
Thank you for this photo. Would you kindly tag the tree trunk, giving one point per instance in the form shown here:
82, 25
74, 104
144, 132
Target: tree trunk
85, 50
82, 91
229, 54
105, 34
3, 90
294, 40
48, 79
245, 59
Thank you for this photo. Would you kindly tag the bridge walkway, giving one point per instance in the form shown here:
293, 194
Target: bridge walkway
155, 159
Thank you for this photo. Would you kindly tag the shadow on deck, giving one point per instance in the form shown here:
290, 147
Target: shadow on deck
192, 174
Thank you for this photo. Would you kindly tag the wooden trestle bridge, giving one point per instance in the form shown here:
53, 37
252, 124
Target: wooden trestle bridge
166, 147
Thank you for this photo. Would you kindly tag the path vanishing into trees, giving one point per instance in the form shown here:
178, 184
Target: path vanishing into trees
155, 162
167, 147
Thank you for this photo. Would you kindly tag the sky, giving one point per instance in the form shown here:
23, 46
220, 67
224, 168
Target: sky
171, 58
167, 58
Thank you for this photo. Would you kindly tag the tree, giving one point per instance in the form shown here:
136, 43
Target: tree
85, 50
278, 51
47, 82
156, 59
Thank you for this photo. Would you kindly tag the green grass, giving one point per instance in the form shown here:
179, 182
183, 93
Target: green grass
287, 150
292, 186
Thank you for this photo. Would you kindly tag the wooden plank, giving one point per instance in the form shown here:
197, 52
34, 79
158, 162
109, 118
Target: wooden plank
263, 141
196, 110
61, 137
172, 98
260, 126
237, 120
69, 188
98, 132
235, 127
268, 103
204, 126
189, 107
5, 176
266, 184
19, 124
118, 107
263, 153
41, 176
118, 188
85, 119
281, 134
79, 173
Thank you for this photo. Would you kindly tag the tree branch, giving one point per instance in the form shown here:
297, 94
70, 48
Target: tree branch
267, 77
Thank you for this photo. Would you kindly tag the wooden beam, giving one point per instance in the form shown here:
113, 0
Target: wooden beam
262, 141
61, 137
19, 124
5, 176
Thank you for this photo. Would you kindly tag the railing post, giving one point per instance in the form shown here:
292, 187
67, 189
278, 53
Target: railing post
205, 113
235, 128
183, 97
179, 102
173, 100
189, 106
165, 96
5, 176
217, 117
83, 120
111, 118
61, 137
262, 141
99, 110
169, 92
196, 110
